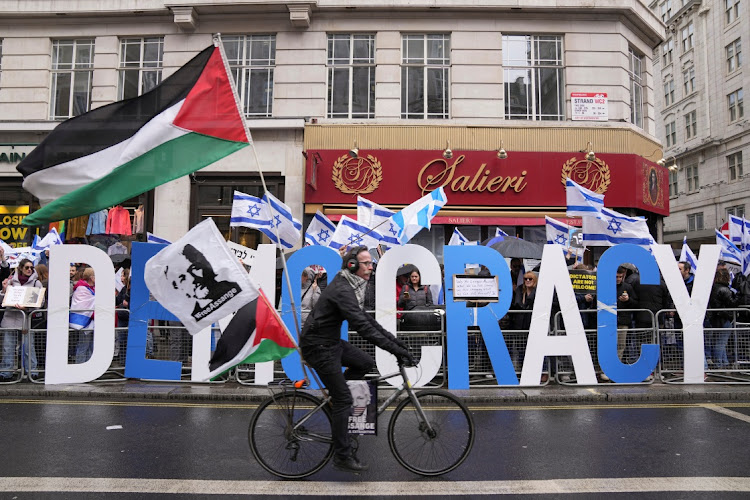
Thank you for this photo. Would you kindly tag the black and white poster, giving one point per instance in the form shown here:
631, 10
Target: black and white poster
364, 417
199, 279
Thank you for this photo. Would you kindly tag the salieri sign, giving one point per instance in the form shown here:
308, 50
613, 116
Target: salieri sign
591, 106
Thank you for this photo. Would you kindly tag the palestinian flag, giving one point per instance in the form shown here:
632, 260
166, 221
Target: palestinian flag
116, 152
254, 335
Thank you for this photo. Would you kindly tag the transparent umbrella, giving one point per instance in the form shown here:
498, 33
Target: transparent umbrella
512, 247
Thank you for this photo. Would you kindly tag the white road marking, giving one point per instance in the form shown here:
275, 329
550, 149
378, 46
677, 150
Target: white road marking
373, 488
728, 412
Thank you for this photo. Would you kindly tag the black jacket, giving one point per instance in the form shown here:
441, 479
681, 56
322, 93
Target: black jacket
721, 298
336, 304
625, 317
654, 298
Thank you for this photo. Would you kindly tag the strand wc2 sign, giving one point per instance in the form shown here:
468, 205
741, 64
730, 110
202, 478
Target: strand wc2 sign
553, 278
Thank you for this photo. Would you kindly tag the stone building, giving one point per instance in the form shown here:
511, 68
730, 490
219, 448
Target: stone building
520, 93
702, 121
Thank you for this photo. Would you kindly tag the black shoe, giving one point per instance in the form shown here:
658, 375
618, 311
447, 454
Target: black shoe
349, 464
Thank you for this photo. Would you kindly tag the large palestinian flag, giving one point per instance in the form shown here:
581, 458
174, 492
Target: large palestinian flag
116, 152
254, 335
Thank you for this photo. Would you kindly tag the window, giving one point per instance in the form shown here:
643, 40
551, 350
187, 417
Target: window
425, 67
141, 62
669, 92
1, 57
736, 108
636, 88
673, 183
734, 164
533, 76
732, 10
351, 76
666, 52
734, 55
691, 176
695, 221
737, 211
252, 59
691, 125
687, 37
72, 71
666, 10
671, 133
688, 77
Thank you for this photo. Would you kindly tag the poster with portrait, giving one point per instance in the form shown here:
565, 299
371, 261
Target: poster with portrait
199, 279
26, 296
364, 417
653, 185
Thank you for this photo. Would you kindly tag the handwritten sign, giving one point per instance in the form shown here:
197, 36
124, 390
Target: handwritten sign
583, 281
467, 287
247, 255
26, 296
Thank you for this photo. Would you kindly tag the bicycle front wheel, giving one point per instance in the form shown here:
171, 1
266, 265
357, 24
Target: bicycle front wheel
437, 448
285, 446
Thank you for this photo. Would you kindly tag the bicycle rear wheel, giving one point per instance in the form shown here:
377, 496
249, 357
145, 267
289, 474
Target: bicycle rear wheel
425, 452
283, 447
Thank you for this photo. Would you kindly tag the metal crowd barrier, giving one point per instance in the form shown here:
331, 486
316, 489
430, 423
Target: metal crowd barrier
11, 360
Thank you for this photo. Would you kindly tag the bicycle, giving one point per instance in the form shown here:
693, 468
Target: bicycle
431, 432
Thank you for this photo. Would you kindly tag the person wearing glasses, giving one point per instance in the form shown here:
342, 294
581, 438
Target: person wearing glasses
324, 350
523, 300
13, 319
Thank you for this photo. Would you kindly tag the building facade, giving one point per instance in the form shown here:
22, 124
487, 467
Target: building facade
520, 95
702, 121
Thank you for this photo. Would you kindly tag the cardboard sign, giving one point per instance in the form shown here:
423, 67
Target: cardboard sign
247, 255
467, 287
26, 296
583, 281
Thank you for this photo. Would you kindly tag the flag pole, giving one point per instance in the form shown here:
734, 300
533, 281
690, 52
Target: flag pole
220, 46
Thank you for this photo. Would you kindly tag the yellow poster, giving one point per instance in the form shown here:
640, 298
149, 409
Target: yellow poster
12, 231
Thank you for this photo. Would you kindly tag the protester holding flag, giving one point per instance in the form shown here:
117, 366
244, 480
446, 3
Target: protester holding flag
325, 351
82, 314
722, 298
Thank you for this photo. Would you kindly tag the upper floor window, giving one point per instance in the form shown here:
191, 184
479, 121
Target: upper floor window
1, 57
732, 10
252, 59
671, 133
691, 125
734, 55
666, 52
687, 37
688, 77
669, 92
425, 72
666, 11
695, 221
351, 76
691, 176
734, 164
141, 63
673, 183
636, 88
533, 76
72, 71
736, 210
736, 107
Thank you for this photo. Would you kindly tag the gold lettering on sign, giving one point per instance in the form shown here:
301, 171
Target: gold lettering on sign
443, 174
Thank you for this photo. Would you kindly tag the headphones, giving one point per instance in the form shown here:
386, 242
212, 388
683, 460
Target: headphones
352, 264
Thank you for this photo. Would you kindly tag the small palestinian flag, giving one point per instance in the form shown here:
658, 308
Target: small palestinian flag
116, 152
254, 335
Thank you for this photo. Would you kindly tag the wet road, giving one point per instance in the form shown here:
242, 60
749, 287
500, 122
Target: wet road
197, 449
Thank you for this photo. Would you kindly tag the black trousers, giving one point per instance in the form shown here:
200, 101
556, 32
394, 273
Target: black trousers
328, 362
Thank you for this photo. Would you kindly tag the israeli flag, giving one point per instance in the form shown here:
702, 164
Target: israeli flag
459, 239
320, 231
729, 252
687, 255
500, 232
349, 233
739, 231
370, 214
50, 239
581, 201
152, 238
612, 228
557, 232
269, 215
249, 211
418, 215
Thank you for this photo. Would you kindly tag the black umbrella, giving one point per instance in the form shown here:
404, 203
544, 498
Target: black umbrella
406, 269
512, 247
121, 258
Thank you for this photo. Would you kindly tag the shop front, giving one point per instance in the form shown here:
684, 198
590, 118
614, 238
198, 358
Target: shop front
493, 176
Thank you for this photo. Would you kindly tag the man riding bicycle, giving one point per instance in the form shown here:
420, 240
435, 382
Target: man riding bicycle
325, 351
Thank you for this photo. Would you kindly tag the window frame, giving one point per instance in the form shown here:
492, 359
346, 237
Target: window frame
442, 69
734, 55
351, 65
691, 124
669, 92
695, 222
692, 179
731, 11
533, 65
635, 71
673, 183
666, 11
735, 103
667, 52
244, 65
686, 36
143, 67
688, 76
734, 166
736, 210
74, 70
670, 129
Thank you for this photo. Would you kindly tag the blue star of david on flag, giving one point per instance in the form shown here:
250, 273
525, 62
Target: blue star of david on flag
254, 210
561, 240
392, 229
324, 234
614, 225
320, 230
269, 215
355, 239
